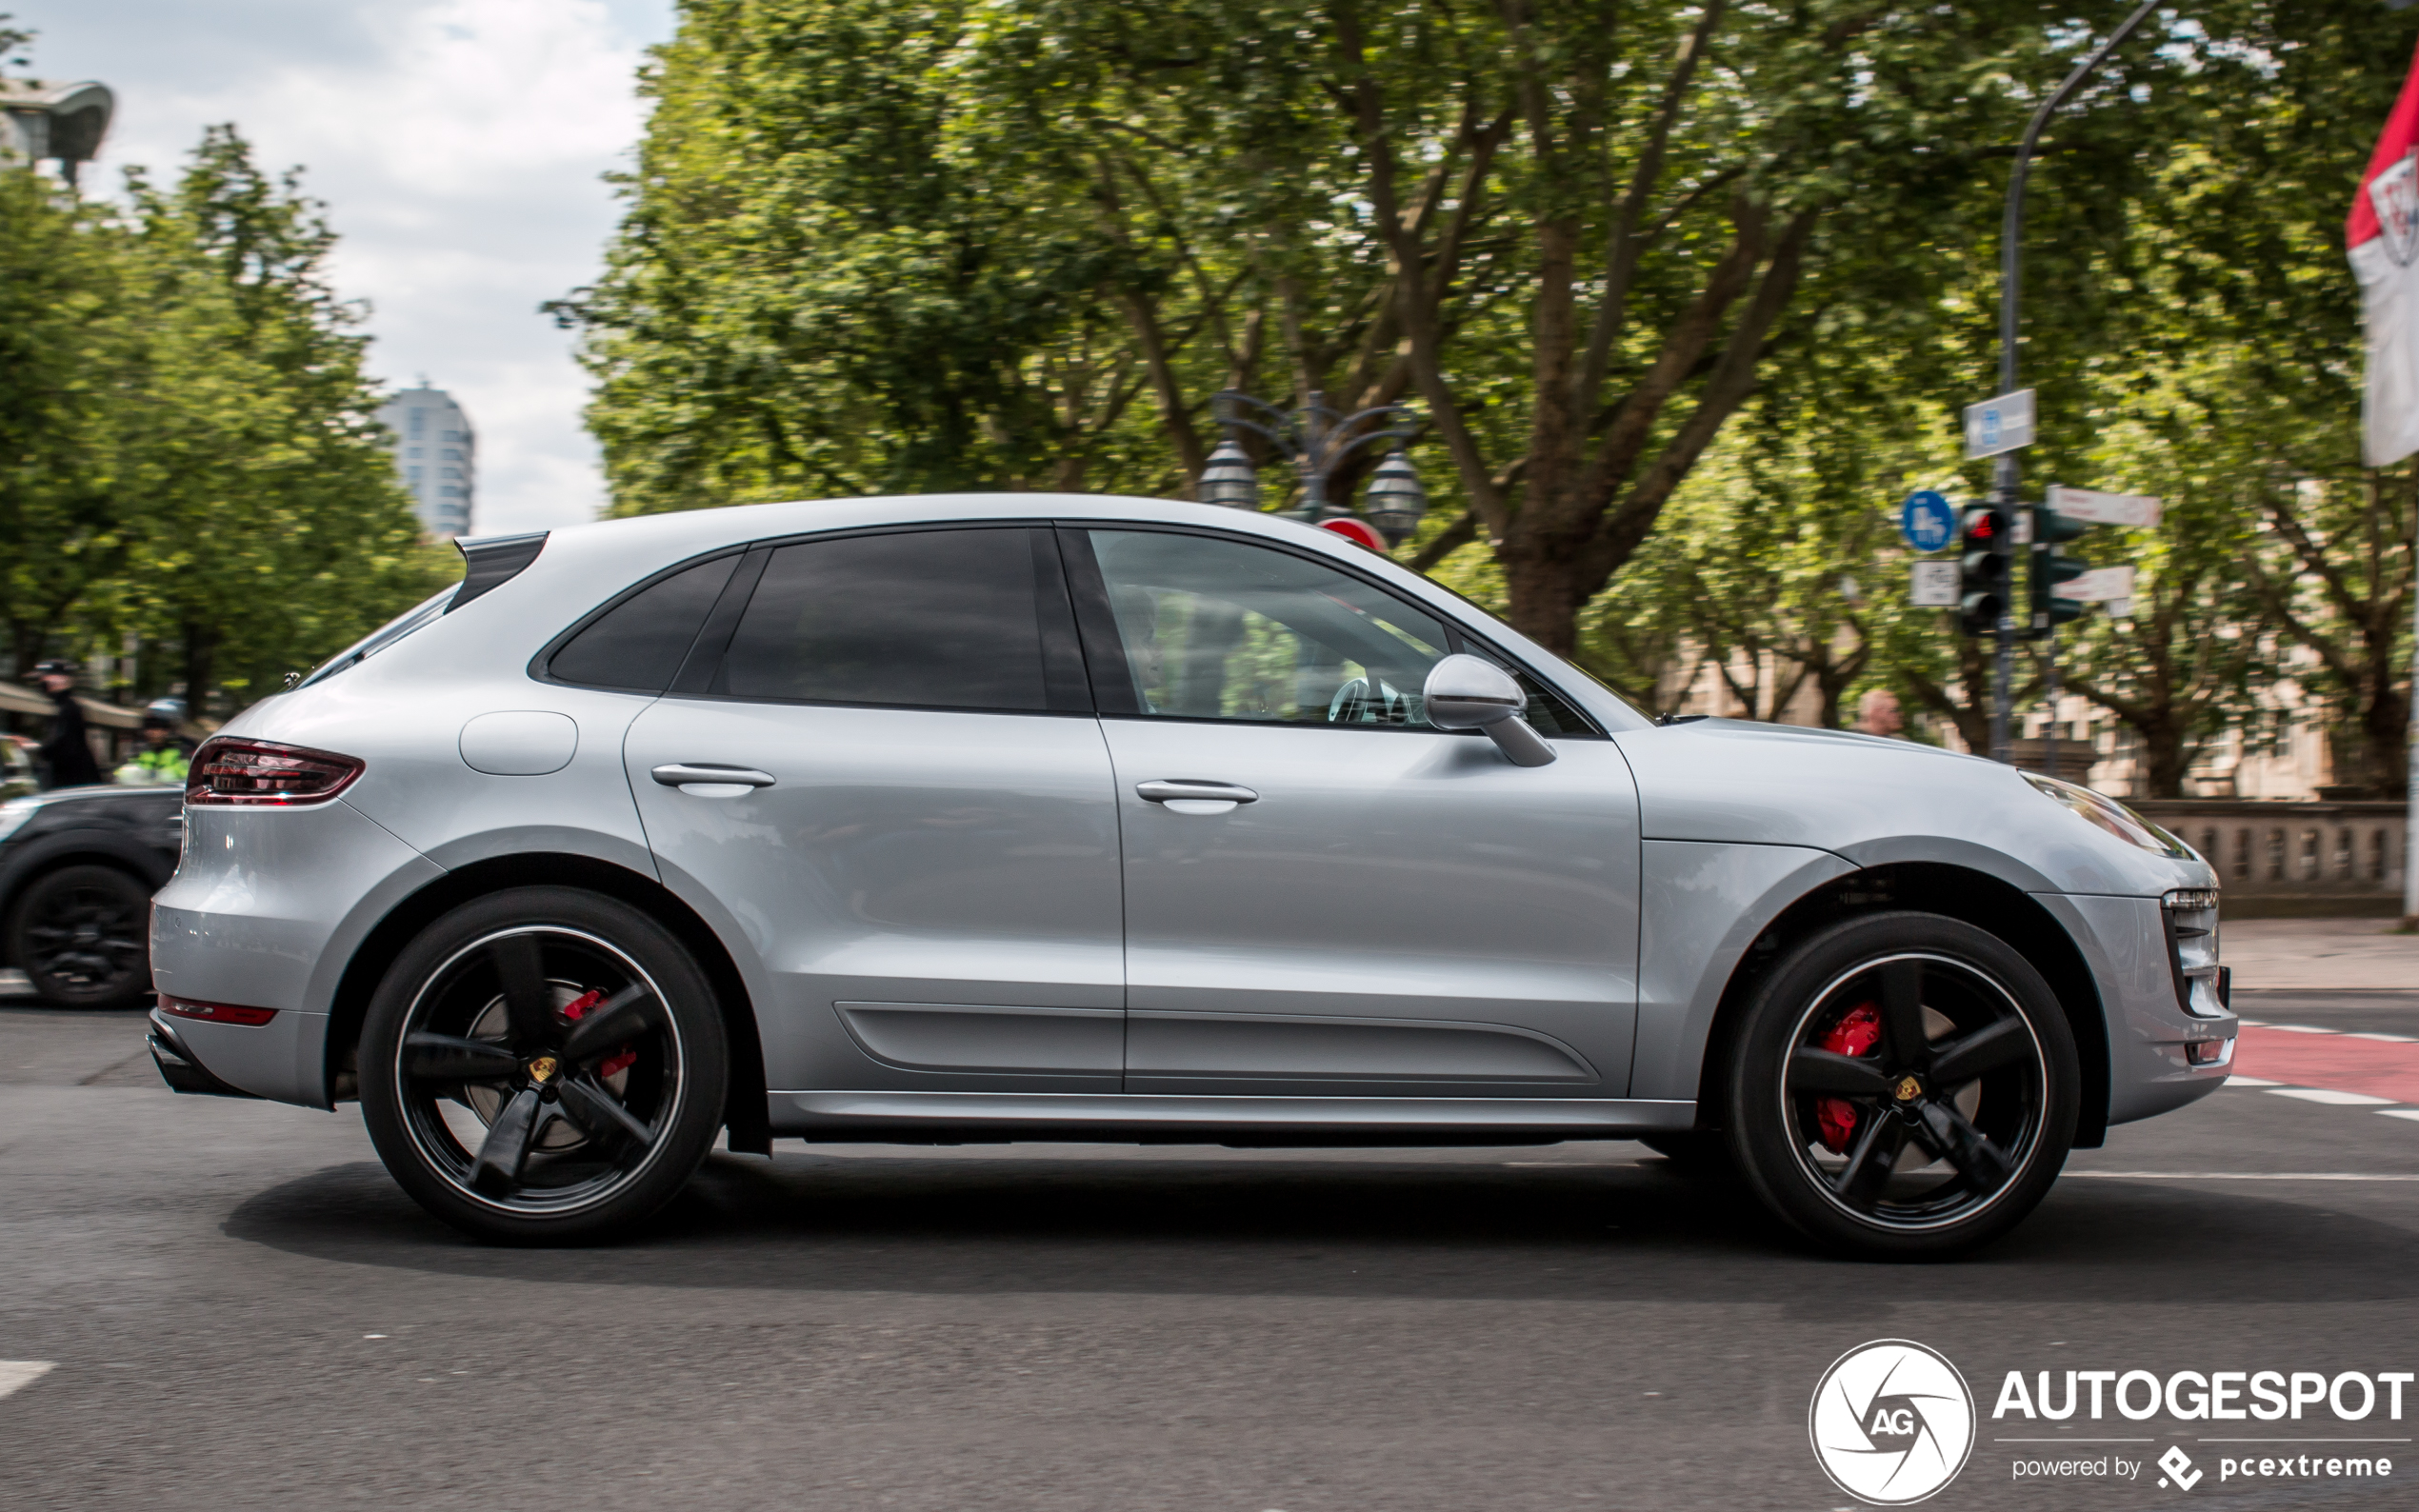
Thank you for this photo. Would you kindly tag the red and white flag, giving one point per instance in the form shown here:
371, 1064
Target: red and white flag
2383, 234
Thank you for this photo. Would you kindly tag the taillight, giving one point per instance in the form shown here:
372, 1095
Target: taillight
217, 1012
228, 770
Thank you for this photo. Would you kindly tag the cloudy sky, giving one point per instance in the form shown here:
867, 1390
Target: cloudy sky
458, 145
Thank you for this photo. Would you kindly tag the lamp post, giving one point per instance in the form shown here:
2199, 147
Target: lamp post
1317, 439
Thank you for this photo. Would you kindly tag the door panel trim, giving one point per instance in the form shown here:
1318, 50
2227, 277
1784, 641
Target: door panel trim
1079, 1116
987, 1039
1275, 1047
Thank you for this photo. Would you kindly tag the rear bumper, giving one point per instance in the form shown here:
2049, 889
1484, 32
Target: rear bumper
280, 1060
179, 1066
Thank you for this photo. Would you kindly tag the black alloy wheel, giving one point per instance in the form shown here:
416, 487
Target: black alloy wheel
80, 935
543, 1065
1906, 1086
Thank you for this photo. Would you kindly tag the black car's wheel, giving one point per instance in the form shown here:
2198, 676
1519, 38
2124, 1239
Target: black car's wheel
543, 1065
1905, 1085
79, 935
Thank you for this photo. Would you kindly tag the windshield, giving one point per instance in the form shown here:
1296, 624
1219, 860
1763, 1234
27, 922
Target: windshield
384, 636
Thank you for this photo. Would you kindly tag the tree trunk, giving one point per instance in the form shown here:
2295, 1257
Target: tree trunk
2164, 756
1546, 596
201, 651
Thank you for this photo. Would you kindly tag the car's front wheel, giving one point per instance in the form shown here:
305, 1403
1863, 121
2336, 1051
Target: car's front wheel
1904, 1085
543, 1065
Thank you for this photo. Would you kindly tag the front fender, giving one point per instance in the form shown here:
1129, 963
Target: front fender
1702, 904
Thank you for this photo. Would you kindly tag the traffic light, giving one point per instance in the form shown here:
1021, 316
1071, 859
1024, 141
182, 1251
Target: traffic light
1982, 571
2050, 569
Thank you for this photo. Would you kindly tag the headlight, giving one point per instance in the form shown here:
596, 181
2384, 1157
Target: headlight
2108, 814
14, 813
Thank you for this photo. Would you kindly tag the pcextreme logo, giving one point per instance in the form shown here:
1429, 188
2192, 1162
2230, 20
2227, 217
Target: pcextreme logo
1891, 1422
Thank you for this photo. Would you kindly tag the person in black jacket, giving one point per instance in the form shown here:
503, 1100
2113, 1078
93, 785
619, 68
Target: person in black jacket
65, 748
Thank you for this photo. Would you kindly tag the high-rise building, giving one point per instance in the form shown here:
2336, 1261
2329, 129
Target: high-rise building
435, 456
43, 121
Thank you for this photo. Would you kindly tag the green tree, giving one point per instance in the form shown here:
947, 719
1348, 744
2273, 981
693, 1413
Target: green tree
1571, 234
63, 352
263, 524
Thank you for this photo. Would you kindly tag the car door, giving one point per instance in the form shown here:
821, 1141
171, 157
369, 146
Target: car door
880, 767
1324, 893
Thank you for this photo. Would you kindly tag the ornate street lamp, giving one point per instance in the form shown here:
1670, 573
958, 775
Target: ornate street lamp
1317, 440
1395, 501
1227, 478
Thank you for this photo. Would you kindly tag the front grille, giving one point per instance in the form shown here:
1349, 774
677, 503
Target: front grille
2191, 916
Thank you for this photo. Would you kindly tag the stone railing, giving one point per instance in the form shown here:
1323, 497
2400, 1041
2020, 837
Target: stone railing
2294, 858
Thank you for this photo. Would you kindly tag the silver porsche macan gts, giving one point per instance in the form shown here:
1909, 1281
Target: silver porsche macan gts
1033, 816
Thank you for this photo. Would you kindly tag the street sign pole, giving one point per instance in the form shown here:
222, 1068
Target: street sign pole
2011, 283
2410, 799
2002, 679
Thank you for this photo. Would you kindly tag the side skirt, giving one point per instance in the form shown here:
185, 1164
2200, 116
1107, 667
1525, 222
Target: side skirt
1128, 1118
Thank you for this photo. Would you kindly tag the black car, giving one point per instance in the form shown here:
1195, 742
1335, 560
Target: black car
78, 871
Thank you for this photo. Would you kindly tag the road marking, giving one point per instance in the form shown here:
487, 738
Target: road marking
2250, 1081
2320, 1094
2389, 1039
2296, 1029
17, 1374
2248, 1176
2385, 1071
2412, 1113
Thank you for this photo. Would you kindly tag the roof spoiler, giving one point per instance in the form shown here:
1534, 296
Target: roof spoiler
489, 562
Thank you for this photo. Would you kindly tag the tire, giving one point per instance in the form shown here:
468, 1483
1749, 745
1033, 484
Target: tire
543, 1067
80, 935
1903, 1086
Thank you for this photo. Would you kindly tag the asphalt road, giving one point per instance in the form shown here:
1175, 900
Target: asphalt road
242, 1311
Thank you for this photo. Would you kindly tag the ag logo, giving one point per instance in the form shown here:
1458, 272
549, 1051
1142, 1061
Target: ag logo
1891, 1422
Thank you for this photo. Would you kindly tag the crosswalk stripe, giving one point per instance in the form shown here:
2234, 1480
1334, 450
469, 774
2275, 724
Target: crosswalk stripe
16, 1373
2320, 1094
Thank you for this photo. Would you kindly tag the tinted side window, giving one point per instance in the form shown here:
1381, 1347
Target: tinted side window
1220, 629
639, 643
933, 619
1547, 714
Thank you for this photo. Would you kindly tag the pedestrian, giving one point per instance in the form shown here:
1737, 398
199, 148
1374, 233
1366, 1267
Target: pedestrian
66, 748
1877, 713
164, 757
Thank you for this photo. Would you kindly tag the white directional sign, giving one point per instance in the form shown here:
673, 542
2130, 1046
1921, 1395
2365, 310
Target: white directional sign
1999, 425
2099, 586
1933, 586
2139, 510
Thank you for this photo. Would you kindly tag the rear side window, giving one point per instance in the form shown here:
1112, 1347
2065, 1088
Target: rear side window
639, 643
929, 619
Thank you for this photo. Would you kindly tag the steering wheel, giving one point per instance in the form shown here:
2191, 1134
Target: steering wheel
1353, 703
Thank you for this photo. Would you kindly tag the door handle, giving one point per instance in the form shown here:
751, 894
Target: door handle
1187, 795
711, 781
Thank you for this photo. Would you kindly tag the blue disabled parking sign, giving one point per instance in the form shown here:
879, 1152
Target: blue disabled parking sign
1927, 521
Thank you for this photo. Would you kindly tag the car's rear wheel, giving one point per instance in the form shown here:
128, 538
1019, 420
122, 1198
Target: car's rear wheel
1904, 1086
543, 1065
78, 935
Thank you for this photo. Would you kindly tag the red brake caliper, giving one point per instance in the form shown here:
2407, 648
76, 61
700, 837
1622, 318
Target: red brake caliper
1858, 1030
621, 1059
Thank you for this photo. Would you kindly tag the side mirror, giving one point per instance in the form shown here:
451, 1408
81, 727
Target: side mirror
1463, 692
